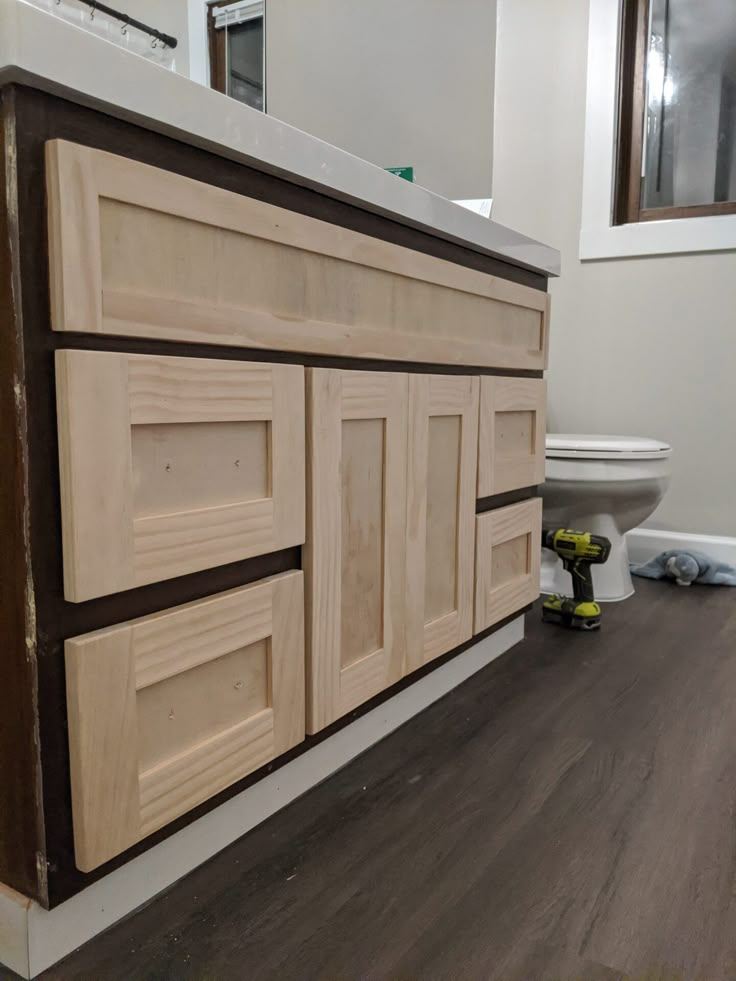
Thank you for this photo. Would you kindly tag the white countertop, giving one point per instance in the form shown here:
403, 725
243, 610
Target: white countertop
49, 53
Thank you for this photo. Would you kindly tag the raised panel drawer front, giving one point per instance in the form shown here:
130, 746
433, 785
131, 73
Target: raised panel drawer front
355, 555
440, 514
139, 251
511, 437
508, 547
166, 711
172, 465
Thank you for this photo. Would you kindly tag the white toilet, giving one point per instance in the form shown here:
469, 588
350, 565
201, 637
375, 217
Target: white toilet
603, 484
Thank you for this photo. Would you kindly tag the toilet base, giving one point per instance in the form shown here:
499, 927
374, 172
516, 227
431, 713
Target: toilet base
611, 581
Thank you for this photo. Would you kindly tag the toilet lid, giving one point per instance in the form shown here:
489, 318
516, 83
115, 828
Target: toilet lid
598, 447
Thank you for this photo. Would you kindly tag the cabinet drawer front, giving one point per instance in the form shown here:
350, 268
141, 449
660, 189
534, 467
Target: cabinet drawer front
172, 465
164, 255
507, 558
511, 436
355, 554
440, 514
166, 711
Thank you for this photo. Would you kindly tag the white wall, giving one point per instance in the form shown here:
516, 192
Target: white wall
398, 82
167, 16
642, 346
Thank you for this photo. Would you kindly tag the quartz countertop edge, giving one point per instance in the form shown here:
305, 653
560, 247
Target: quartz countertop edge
43, 51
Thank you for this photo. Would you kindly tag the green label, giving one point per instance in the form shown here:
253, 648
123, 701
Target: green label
406, 172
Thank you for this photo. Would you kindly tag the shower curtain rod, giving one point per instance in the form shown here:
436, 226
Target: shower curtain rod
165, 39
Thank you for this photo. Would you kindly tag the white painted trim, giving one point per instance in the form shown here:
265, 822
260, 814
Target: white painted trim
199, 67
644, 543
599, 239
32, 938
238, 12
14, 914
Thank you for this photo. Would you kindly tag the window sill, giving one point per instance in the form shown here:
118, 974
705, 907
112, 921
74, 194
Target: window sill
716, 233
598, 238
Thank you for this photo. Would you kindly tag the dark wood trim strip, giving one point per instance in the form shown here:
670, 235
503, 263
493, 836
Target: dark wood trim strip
22, 858
631, 101
688, 211
484, 504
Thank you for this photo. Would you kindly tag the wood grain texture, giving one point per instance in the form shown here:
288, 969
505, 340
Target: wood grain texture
507, 559
73, 239
287, 662
100, 678
505, 464
95, 468
339, 505
440, 514
181, 782
194, 633
574, 822
102, 397
170, 253
166, 711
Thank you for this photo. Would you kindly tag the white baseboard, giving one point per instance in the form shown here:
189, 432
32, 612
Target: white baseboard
644, 543
33, 938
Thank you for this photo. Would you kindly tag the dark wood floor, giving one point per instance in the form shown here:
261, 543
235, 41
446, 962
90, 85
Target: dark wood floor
570, 812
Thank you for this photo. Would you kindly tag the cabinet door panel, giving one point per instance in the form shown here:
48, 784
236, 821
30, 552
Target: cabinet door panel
172, 465
511, 439
166, 711
440, 516
355, 555
507, 557
138, 251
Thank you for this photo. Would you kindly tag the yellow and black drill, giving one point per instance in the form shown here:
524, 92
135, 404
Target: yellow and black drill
579, 550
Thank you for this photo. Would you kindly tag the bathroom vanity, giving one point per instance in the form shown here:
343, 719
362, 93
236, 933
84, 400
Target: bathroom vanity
273, 422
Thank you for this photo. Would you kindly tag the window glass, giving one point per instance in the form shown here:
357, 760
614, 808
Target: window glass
689, 157
244, 72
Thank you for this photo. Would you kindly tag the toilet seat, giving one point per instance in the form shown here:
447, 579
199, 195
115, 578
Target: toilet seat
571, 446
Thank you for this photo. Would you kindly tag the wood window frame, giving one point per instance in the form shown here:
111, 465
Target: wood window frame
630, 136
216, 44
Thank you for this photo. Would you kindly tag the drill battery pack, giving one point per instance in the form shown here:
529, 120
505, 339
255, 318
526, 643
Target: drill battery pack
568, 613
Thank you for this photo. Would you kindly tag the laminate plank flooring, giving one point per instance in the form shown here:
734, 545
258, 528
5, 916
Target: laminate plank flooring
568, 813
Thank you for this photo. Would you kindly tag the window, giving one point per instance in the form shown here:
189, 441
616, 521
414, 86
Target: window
236, 39
676, 152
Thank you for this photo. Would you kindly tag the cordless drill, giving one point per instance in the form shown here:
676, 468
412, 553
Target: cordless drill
579, 550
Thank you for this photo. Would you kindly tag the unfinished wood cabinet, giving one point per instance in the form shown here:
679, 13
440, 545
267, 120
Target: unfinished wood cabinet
171, 465
139, 251
355, 555
166, 711
440, 514
511, 435
507, 557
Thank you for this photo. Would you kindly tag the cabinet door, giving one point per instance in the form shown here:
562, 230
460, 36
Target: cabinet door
172, 465
440, 514
511, 437
355, 556
508, 548
166, 711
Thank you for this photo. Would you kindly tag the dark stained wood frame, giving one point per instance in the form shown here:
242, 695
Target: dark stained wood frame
22, 845
630, 137
32, 688
216, 43
217, 52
